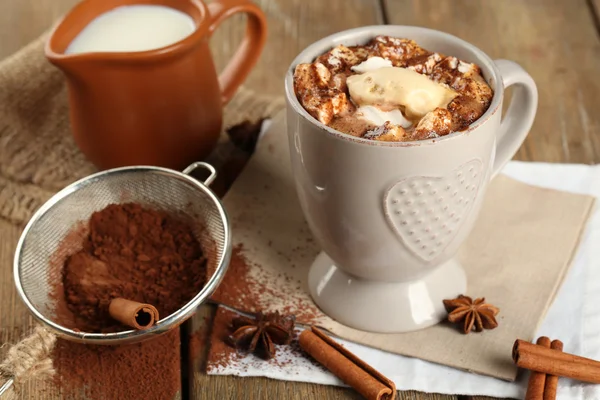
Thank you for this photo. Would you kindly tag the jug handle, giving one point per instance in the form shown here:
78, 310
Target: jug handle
249, 50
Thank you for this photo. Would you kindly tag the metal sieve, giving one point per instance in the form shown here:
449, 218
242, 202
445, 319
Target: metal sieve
43, 246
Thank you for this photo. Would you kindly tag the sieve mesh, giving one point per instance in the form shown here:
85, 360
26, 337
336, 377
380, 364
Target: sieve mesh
49, 237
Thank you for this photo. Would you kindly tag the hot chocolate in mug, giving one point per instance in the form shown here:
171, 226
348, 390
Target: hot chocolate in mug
161, 106
390, 216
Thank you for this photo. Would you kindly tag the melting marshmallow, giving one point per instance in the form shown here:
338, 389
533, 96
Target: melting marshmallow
464, 67
394, 87
378, 117
371, 64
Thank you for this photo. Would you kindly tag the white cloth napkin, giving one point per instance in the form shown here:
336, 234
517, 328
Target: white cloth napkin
574, 317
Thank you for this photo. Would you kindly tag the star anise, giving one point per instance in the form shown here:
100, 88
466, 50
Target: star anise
477, 314
259, 335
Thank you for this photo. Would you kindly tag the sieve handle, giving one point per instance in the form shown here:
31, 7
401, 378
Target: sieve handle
203, 165
6, 386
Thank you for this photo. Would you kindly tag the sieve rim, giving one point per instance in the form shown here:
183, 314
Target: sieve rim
162, 326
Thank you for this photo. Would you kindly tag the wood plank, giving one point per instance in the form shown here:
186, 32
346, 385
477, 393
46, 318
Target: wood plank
24, 20
14, 318
554, 40
293, 25
595, 10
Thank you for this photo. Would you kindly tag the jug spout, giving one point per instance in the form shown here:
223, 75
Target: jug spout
63, 34
70, 65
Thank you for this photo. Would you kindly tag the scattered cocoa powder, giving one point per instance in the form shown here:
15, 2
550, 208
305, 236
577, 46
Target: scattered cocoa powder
245, 292
222, 356
236, 286
135, 253
146, 370
221, 353
199, 339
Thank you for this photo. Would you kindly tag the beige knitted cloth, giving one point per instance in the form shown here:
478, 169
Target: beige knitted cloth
38, 156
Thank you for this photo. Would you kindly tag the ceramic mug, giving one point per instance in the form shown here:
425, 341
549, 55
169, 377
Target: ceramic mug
390, 216
160, 107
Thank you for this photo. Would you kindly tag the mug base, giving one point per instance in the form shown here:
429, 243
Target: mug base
384, 307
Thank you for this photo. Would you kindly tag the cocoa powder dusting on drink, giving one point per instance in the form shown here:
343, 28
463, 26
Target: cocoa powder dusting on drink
146, 370
135, 253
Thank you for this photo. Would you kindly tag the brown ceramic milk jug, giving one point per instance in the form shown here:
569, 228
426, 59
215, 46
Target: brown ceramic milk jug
158, 107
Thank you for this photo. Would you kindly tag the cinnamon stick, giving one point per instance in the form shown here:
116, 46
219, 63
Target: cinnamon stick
537, 380
551, 361
523, 347
552, 380
348, 367
132, 313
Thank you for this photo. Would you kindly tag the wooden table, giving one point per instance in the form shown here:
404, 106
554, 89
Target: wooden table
557, 41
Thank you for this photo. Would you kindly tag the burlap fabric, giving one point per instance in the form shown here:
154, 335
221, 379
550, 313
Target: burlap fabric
38, 156
28, 361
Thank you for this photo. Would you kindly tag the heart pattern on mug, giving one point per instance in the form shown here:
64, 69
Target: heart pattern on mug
426, 212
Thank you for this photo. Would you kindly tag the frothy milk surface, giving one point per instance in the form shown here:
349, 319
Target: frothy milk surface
133, 28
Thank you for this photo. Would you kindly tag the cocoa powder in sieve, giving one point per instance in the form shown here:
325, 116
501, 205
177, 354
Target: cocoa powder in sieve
149, 370
134, 253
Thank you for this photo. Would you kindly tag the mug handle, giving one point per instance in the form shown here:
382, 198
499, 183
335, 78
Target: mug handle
249, 50
520, 114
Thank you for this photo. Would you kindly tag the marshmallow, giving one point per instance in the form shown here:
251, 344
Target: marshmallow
393, 87
371, 64
378, 117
